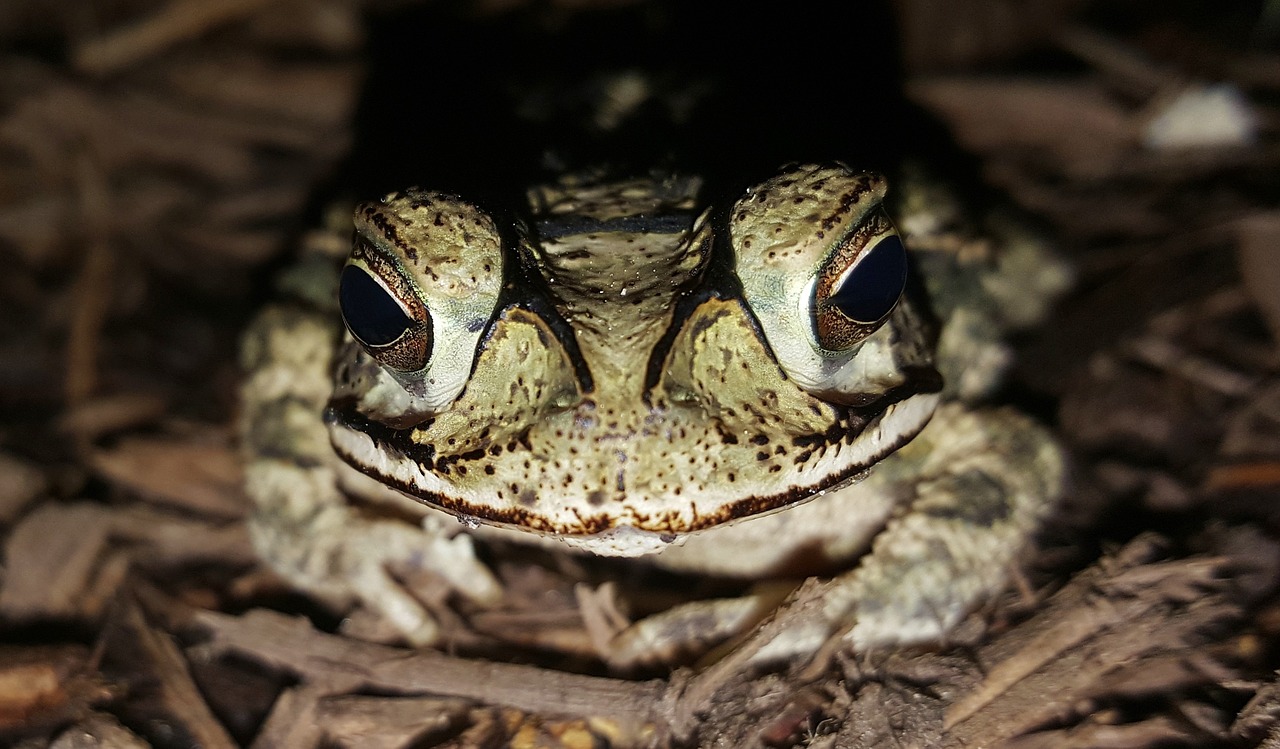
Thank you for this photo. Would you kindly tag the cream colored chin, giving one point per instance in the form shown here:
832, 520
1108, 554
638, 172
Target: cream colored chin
897, 425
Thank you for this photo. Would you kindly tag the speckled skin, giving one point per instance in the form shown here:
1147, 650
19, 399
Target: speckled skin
631, 376
654, 419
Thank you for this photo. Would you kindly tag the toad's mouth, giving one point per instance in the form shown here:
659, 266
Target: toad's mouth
632, 512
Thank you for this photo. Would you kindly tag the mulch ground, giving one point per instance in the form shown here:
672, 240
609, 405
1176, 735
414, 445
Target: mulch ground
158, 160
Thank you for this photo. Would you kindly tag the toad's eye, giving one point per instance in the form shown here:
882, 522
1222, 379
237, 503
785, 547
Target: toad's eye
862, 295
371, 314
871, 288
380, 322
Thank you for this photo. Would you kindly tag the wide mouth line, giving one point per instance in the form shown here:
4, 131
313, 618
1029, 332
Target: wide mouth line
893, 428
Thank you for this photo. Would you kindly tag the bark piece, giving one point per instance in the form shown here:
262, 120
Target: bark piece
98, 731
199, 476
54, 568
340, 665
20, 483
46, 687
163, 691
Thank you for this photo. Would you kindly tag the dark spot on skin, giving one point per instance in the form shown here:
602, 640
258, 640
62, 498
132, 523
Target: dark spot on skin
976, 497
488, 470
762, 455
731, 476
528, 498
774, 469
760, 439
439, 219
385, 227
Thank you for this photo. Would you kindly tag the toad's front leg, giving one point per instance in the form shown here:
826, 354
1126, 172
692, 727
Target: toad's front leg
303, 524
968, 491
977, 486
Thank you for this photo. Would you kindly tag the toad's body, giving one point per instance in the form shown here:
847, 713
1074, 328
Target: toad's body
630, 373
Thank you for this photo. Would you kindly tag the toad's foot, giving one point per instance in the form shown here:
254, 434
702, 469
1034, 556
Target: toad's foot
389, 567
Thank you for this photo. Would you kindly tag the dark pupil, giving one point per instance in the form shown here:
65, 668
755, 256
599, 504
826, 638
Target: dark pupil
875, 283
369, 311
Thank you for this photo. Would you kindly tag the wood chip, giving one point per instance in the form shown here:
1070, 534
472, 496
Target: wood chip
337, 664
171, 695
175, 22
99, 416
1073, 123
46, 686
200, 476
1259, 259
1086, 641
20, 483
356, 721
98, 731
53, 559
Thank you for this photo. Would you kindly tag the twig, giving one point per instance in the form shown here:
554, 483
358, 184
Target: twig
1138, 75
175, 23
341, 664
688, 700
93, 286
